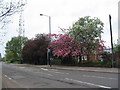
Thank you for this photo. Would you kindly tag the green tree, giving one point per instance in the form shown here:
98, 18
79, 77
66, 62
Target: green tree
15, 46
117, 54
87, 32
9, 56
117, 48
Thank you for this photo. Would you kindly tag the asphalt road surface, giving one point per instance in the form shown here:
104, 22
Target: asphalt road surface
34, 77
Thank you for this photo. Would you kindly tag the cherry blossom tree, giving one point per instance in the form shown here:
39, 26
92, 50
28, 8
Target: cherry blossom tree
64, 46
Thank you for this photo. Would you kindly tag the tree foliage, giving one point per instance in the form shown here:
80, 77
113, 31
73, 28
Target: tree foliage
9, 56
117, 48
64, 46
14, 47
87, 32
35, 50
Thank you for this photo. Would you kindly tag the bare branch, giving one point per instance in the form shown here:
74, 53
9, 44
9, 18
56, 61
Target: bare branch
9, 8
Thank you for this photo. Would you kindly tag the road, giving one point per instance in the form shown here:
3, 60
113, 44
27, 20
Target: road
34, 77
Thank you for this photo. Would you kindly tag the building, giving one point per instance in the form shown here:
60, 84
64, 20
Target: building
96, 56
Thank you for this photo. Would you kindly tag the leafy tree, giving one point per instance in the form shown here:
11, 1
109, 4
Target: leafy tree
117, 54
87, 32
64, 46
14, 46
35, 50
9, 56
117, 48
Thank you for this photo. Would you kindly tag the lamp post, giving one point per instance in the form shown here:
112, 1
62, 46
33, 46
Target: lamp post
48, 50
49, 23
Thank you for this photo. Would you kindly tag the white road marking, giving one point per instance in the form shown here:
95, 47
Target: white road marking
45, 73
50, 74
53, 71
5, 75
60, 72
101, 86
44, 69
8, 77
99, 77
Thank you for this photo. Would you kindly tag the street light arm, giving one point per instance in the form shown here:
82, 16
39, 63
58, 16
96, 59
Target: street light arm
44, 15
41, 14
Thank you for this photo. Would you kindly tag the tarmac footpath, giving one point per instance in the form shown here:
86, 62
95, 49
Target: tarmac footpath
91, 69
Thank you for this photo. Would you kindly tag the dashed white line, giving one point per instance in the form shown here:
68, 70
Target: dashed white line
60, 73
45, 73
101, 86
8, 77
53, 70
50, 74
99, 77
44, 69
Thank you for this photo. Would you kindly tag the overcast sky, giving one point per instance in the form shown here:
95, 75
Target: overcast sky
63, 14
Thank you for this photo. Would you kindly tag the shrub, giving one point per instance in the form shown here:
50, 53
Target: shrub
92, 63
56, 62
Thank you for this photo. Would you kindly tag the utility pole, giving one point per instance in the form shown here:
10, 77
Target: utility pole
21, 31
111, 41
21, 21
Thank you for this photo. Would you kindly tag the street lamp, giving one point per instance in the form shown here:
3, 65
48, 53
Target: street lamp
49, 23
48, 50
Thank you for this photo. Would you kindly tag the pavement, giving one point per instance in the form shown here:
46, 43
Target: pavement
92, 69
9, 83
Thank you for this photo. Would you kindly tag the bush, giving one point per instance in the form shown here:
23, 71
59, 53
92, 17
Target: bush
88, 63
92, 63
56, 62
